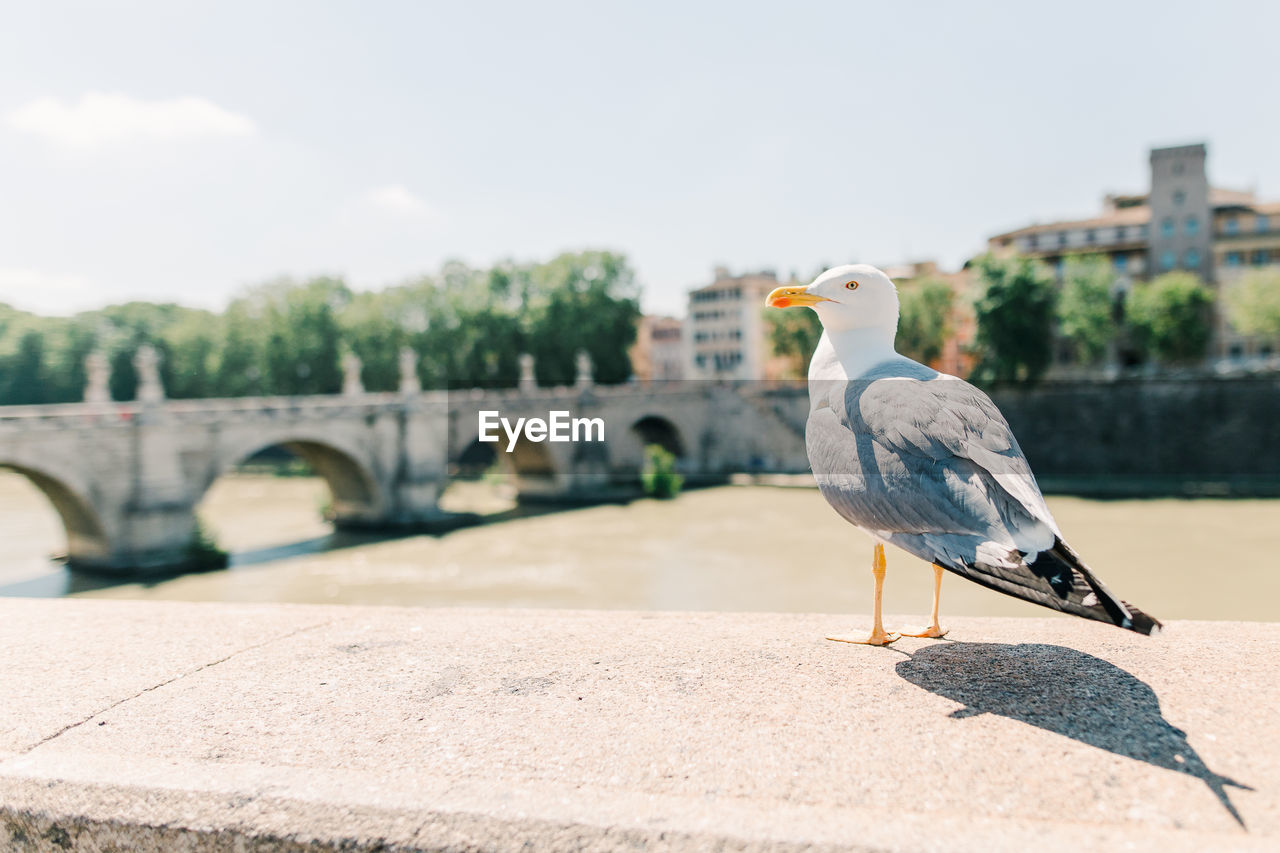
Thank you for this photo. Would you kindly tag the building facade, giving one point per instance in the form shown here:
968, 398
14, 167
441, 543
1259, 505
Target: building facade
1246, 236
725, 328
658, 354
1181, 223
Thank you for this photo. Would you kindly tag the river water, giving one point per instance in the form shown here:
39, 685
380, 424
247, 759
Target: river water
727, 548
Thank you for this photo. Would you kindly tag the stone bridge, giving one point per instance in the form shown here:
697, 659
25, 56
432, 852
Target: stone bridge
125, 477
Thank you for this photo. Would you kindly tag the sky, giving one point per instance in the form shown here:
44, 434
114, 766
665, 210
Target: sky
183, 151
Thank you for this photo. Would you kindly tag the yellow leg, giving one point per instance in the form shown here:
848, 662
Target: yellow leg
878, 635
934, 629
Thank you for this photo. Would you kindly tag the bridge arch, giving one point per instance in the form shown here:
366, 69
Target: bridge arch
643, 428
656, 429
532, 460
475, 459
87, 539
353, 486
532, 466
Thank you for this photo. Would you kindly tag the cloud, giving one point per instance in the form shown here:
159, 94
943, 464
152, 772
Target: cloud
101, 119
397, 199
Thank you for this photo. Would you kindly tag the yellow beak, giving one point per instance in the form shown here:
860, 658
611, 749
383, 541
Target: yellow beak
785, 297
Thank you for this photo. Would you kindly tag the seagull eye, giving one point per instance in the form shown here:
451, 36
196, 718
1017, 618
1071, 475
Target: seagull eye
852, 285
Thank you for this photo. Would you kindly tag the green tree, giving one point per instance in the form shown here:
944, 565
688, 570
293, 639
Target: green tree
1253, 303
489, 318
22, 372
297, 325
1015, 319
191, 341
237, 370
374, 327
576, 301
42, 358
1169, 317
924, 318
1085, 315
67, 342
468, 326
121, 329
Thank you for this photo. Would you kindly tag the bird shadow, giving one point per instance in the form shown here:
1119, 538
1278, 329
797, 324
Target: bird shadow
1066, 692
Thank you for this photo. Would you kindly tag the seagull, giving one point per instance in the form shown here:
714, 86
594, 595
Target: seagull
925, 461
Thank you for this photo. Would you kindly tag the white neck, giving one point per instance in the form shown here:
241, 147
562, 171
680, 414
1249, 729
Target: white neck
856, 351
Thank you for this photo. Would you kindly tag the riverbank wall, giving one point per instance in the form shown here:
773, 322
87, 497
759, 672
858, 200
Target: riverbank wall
157, 726
1198, 436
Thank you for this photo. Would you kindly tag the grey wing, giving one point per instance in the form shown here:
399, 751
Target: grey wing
933, 460
947, 420
933, 467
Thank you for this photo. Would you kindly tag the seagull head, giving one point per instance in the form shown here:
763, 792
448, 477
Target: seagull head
853, 296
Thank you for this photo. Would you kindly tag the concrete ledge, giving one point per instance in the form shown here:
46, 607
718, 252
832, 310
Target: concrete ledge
210, 727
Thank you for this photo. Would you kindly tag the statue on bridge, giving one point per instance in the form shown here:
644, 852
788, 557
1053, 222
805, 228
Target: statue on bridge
528, 381
586, 369
146, 361
409, 381
352, 384
97, 372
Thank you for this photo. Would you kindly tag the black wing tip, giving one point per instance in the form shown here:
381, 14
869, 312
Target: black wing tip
1140, 622
1104, 606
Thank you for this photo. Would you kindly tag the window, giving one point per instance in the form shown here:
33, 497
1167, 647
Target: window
1231, 226
1191, 260
1121, 262
1090, 236
1167, 260
1261, 257
1121, 233
1031, 242
1192, 226
1234, 259
1179, 197
1262, 223
1166, 227
1062, 238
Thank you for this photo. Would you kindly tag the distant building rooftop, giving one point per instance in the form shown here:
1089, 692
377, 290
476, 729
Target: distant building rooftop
723, 279
1132, 209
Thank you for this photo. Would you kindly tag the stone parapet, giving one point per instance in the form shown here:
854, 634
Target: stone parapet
220, 726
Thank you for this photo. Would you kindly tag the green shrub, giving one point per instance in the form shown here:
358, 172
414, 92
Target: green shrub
1169, 317
924, 318
1085, 306
659, 476
203, 552
1015, 316
1253, 304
